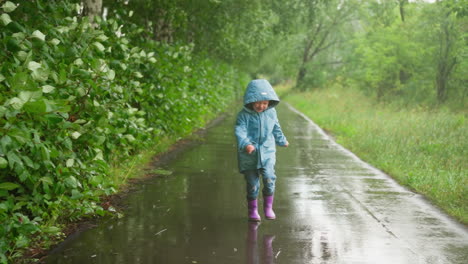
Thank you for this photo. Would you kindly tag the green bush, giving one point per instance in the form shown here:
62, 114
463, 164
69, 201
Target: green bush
74, 99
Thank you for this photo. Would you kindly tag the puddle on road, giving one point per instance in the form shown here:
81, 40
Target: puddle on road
330, 209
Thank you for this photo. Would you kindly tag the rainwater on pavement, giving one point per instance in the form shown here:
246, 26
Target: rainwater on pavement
331, 208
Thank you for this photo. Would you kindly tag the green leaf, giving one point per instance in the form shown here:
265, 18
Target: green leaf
2, 78
6, 142
82, 73
16, 103
54, 119
54, 42
3, 193
76, 194
70, 162
5, 18
22, 81
72, 182
46, 180
22, 136
68, 143
102, 37
33, 65
58, 106
48, 88
3, 163
138, 74
22, 55
75, 135
37, 107
3, 110
21, 241
27, 96
28, 161
16, 27
111, 75
39, 73
99, 46
20, 36
38, 35
51, 229
13, 159
13, 45
8, 7
9, 186
45, 152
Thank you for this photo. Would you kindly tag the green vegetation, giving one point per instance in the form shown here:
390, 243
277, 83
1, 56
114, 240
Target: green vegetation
76, 101
89, 85
414, 52
388, 79
424, 149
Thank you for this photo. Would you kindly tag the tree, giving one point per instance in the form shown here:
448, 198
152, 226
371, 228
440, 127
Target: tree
450, 44
402, 9
322, 23
92, 8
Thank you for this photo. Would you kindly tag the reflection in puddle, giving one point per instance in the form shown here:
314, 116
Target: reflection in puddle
252, 253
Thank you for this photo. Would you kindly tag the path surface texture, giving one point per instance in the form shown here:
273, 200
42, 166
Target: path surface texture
331, 208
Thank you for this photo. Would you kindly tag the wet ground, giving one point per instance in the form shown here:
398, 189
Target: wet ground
330, 206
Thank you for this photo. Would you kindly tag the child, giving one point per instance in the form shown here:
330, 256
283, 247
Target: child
258, 131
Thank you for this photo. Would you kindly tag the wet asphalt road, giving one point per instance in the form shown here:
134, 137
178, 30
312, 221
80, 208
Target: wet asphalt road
330, 206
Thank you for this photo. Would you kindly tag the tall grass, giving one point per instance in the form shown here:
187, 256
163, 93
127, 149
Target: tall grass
423, 149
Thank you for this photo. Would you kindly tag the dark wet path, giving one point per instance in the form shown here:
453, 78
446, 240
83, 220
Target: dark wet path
331, 208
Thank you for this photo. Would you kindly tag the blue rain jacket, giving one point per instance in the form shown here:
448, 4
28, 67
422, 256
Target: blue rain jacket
262, 130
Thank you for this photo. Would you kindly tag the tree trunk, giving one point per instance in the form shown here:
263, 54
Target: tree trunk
92, 8
402, 9
446, 63
300, 77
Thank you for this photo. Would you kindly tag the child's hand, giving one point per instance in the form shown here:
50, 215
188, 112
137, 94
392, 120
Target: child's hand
286, 145
249, 149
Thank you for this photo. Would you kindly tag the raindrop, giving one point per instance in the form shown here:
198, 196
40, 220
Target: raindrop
160, 232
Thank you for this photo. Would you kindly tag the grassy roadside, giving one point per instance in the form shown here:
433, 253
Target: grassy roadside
425, 150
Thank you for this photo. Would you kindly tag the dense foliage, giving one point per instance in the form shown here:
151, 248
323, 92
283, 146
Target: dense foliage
76, 99
414, 52
235, 31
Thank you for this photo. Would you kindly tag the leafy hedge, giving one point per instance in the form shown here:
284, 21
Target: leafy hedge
74, 99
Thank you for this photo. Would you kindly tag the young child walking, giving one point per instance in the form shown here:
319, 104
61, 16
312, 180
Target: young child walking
258, 132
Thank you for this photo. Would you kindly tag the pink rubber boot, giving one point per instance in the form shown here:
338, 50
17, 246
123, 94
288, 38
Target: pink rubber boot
253, 212
268, 207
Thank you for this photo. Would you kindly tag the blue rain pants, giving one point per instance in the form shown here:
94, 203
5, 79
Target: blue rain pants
252, 178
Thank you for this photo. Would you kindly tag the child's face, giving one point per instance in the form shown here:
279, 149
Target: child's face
260, 106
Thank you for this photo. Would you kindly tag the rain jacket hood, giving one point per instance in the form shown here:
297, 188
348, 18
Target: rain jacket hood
260, 90
260, 129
